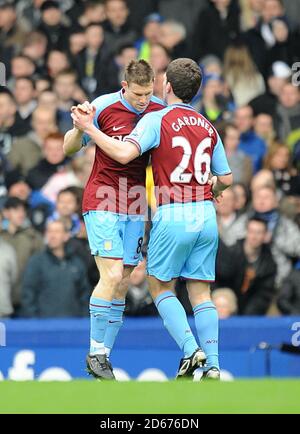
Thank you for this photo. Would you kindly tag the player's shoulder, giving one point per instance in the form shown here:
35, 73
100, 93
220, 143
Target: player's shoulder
156, 116
103, 101
157, 101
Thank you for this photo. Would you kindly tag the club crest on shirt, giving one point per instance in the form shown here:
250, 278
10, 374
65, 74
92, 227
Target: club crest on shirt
108, 245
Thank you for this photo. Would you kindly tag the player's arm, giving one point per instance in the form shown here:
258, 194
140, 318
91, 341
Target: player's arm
73, 138
122, 152
72, 141
142, 138
220, 183
222, 178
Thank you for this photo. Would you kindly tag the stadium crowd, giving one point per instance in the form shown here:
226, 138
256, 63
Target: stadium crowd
58, 54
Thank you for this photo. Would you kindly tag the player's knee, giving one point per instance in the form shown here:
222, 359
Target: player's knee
114, 278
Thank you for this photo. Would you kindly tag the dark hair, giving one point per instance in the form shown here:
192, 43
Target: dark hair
185, 77
223, 127
258, 219
13, 203
75, 191
5, 91
31, 81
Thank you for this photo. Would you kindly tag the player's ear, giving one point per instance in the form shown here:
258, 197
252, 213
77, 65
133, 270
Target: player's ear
124, 84
168, 87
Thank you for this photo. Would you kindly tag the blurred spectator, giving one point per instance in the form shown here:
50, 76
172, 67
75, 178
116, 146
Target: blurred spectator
278, 76
214, 103
92, 59
264, 128
263, 178
117, 27
173, 38
42, 83
159, 58
241, 197
17, 231
187, 13
112, 74
83, 163
57, 61
80, 246
217, 26
225, 301
64, 86
12, 32
54, 160
26, 152
67, 207
290, 208
239, 163
283, 233
250, 13
288, 111
250, 143
77, 42
55, 282
8, 276
211, 65
151, 36
94, 12
11, 123
21, 66
35, 47
52, 25
38, 207
289, 297
252, 270
278, 160
270, 39
48, 99
231, 226
138, 299
25, 94
241, 75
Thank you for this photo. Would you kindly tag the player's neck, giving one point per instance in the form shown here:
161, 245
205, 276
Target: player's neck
172, 99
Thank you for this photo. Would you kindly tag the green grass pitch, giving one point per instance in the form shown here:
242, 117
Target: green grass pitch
271, 396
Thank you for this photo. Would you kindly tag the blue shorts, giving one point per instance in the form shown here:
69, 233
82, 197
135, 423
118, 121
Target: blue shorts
115, 236
184, 242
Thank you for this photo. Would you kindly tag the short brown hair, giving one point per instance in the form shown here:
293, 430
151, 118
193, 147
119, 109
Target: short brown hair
139, 72
185, 77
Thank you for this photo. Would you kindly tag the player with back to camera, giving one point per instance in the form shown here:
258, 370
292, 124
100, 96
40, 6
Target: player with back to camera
115, 236
186, 151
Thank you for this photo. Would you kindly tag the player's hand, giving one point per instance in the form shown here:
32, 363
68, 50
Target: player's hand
82, 119
217, 194
86, 107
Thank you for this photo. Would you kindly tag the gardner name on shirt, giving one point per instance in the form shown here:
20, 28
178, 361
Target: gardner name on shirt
194, 122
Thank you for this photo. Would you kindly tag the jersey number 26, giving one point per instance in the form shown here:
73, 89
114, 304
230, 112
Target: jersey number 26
201, 159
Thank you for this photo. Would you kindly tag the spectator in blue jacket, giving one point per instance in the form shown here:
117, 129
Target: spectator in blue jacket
250, 143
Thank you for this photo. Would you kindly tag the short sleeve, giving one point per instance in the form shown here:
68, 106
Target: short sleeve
101, 103
219, 164
146, 134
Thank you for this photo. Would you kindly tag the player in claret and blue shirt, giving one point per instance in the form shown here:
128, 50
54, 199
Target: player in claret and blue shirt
190, 170
113, 216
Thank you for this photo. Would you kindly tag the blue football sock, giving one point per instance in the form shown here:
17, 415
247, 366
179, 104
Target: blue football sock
99, 313
207, 325
175, 321
115, 322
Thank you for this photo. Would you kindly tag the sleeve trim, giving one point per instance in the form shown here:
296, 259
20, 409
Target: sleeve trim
134, 142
